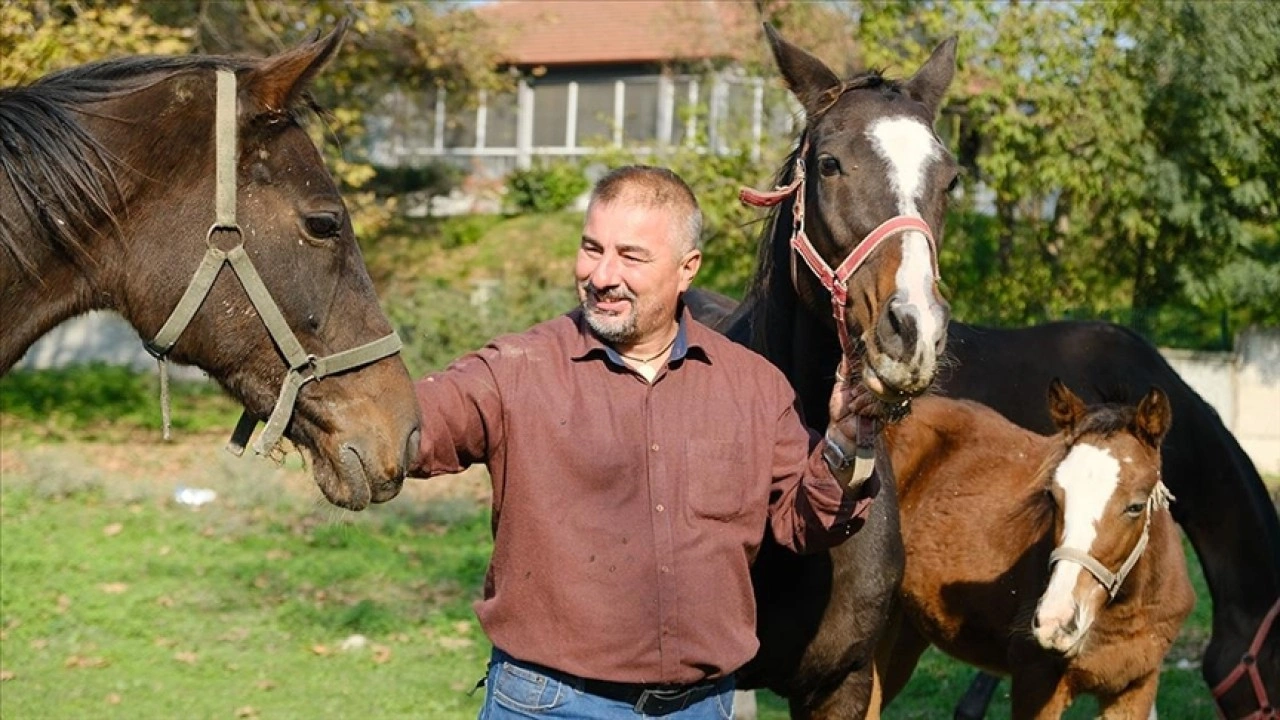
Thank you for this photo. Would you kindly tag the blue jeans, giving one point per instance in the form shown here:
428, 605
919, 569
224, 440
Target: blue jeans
516, 690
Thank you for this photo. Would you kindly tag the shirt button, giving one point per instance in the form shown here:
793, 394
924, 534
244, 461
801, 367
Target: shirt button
654, 447
665, 569
660, 507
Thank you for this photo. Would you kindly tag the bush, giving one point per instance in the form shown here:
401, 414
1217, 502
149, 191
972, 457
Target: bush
435, 178
545, 188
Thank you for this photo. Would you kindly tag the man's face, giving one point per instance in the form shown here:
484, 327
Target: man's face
630, 272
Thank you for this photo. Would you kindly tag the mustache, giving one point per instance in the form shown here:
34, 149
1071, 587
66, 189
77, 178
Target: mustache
613, 294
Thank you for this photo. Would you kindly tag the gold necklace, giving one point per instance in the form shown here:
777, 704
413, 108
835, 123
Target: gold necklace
651, 358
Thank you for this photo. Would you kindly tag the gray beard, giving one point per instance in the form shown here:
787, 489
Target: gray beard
609, 330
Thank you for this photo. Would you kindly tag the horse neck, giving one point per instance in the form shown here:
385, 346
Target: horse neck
90, 271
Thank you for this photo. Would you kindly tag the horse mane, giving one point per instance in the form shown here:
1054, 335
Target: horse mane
64, 179
770, 286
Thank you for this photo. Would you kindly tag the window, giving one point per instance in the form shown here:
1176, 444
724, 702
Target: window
501, 120
595, 113
640, 115
550, 114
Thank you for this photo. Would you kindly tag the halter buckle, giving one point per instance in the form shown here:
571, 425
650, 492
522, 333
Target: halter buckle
224, 228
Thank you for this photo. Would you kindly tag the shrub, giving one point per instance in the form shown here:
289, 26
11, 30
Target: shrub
546, 187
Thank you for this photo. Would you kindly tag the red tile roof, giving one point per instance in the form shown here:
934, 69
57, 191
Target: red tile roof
570, 32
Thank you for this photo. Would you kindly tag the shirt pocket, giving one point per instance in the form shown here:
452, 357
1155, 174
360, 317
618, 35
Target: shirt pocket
717, 477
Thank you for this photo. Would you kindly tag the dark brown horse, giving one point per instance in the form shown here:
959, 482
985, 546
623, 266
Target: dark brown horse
114, 191
1049, 559
867, 155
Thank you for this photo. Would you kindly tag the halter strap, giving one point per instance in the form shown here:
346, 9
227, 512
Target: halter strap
1112, 581
836, 281
1249, 665
303, 366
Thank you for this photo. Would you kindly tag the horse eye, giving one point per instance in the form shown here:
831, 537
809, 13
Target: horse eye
323, 225
1135, 509
828, 166
955, 182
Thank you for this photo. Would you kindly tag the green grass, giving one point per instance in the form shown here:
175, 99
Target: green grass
117, 602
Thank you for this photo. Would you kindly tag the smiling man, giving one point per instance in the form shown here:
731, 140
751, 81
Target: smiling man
636, 457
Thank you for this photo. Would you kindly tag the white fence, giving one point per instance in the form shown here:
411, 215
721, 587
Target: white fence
1243, 385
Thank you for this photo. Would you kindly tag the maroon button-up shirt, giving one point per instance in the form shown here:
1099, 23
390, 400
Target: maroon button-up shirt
626, 514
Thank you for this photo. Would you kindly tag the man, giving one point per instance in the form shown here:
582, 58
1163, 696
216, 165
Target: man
635, 456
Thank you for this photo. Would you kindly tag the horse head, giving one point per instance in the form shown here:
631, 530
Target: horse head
874, 178
1106, 486
138, 139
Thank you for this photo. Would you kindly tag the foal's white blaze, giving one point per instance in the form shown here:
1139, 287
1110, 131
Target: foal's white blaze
908, 148
1088, 477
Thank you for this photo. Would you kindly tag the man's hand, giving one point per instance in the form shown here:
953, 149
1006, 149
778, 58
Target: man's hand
851, 431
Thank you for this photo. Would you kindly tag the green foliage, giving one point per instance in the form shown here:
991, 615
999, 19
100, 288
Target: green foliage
437, 178
449, 294
545, 187
78, 402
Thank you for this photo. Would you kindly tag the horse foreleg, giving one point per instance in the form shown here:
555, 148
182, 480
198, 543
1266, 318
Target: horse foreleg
896, 658
851, 700
1137, 702
1038, 692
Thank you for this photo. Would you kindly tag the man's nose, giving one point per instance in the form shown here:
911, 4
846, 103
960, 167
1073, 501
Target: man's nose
605, 273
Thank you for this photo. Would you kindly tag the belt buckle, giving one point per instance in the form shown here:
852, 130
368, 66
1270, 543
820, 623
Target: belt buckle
662, 702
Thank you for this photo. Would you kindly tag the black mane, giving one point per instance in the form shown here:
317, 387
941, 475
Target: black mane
64, 179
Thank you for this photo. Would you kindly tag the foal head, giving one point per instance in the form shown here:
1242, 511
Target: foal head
869, 155
1105, 489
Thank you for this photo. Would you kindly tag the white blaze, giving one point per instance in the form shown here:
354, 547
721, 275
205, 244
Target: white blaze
1088, 477
908, 147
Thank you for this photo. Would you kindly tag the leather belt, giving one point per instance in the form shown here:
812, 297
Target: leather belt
646, 699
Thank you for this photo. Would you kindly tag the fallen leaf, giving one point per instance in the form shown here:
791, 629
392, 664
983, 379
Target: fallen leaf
164, 601
6, 675
246, 712
278, 554
186, 656
455, 643
381, 654
321, 649
64, 603
114, 588
39, 643
163, 641
79, 661
114, 698
266, 685
113, 529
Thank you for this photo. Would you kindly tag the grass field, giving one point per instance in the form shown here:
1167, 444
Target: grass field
116, 601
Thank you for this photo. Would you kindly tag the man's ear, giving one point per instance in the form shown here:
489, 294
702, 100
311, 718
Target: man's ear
689, 268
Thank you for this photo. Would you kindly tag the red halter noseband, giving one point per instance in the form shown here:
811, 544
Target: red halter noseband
835, 281
1249, 665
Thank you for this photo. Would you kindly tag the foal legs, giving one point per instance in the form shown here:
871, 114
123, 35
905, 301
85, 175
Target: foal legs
1137, 702
1038, 692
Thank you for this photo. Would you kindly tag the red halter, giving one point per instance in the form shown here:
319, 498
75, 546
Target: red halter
1249, 664
835, 281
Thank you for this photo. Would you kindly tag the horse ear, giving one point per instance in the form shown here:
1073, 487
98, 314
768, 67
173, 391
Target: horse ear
280, 79
1065, 407
810, 80
1154, 417
931, 81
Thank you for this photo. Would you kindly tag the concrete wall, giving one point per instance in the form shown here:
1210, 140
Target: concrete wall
1243, 385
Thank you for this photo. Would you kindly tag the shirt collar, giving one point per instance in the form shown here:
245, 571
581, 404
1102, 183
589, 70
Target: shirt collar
687, 344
